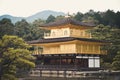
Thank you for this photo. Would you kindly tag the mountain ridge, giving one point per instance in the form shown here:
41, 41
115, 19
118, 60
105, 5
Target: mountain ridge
40, 15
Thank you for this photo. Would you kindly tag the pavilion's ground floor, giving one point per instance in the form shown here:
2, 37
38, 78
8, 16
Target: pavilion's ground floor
68, 62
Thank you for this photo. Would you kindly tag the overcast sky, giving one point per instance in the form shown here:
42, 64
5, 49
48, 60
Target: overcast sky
28, 7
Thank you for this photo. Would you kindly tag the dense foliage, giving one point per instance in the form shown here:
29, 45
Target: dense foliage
116, 61
112, 35
106, 18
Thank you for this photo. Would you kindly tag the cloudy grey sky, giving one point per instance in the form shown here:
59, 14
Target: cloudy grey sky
28, 7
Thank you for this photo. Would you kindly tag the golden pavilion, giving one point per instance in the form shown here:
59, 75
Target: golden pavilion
68, 46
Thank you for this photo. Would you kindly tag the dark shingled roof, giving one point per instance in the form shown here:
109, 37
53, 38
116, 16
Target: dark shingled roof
63, 39
67, 21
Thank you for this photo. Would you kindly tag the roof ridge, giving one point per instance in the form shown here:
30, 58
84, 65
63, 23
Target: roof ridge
67, 21
64, 39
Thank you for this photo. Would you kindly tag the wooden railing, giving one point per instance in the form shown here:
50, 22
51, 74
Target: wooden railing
65, 67
46, 34
37, 52
55, 67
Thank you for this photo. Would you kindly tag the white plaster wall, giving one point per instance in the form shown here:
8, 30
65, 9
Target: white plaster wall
97, 62
94, 62
91, 63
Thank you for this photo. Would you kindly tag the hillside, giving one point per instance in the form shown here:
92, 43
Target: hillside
43, 15
13, 18
40, 15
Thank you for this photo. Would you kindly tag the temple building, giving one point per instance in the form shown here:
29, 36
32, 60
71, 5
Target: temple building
68, 46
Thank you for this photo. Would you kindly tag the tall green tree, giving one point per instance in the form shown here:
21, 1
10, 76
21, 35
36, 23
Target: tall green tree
35, 31
59, 18
22, 29
109, 18
116, 62
14, 57
51, 18
6, 27
78, 16
98, 16
118, 19
89, 17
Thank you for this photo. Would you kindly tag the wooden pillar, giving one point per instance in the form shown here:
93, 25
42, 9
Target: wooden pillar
40, 73
60, 60
57, 73
42, 60
75, 65
64, 73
